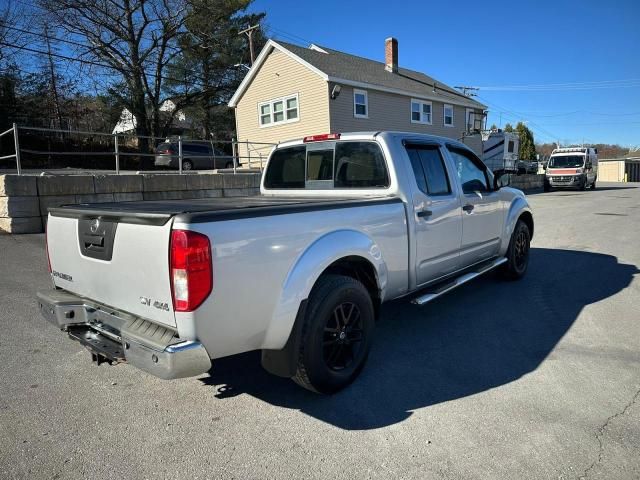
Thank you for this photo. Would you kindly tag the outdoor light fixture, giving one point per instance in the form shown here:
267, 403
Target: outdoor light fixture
335, 91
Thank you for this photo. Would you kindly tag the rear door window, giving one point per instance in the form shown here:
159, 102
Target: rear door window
429, 169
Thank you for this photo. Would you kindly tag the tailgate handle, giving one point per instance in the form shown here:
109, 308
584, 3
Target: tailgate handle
93, 242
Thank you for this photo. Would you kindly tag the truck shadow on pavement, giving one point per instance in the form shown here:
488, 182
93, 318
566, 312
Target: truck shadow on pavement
486, 334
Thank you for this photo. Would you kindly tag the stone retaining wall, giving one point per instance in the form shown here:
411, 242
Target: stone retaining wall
25, 200
527, 182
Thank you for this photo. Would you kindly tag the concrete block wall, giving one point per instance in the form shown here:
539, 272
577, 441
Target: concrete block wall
25, 200
527, 182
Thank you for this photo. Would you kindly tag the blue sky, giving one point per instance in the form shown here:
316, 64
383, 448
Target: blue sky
497, 44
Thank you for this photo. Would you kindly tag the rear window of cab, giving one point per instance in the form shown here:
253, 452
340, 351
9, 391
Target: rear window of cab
328, 165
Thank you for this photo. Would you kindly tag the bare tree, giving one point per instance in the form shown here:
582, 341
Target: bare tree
10, 16
135, 39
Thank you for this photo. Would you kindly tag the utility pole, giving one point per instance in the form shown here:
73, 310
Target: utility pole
249, 33
54, 87
466, 91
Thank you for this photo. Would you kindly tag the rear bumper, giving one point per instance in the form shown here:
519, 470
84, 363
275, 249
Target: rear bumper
117, 336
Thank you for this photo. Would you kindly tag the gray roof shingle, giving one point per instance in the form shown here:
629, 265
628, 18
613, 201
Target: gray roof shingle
358, 69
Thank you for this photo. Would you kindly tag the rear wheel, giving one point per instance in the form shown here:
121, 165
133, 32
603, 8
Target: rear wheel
518, 252
187, 165
336, 334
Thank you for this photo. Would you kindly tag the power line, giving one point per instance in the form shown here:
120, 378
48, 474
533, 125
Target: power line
591, 85
535, 127
98, 64
577, 112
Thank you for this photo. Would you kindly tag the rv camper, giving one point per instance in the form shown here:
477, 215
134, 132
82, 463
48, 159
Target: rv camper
500, 151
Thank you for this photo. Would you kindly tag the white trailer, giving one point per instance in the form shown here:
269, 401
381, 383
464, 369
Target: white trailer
500, 151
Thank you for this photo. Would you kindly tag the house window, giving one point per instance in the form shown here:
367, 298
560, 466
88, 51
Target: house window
420, 112
448, 115
278, 110
360, 104
470, 120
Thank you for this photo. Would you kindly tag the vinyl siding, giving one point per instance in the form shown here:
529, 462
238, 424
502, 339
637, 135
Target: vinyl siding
388, 111
281, 76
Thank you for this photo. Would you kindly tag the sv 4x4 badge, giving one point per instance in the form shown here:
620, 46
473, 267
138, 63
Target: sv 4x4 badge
159, 305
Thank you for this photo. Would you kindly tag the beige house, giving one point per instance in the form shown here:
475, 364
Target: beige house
293, 91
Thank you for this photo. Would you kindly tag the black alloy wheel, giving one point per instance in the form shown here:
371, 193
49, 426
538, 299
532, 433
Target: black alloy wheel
343, 335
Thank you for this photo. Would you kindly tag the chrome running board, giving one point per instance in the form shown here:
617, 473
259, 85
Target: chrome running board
449, 285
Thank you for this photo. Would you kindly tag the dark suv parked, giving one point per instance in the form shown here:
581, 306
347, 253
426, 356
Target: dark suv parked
196, 155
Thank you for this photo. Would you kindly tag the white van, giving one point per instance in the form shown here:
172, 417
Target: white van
572, 167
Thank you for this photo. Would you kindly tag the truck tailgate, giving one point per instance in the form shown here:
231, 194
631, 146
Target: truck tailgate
114, 262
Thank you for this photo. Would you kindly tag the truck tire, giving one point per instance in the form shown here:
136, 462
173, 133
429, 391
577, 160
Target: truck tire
336, 334
583, 185
517, 253
547, 186
593, 185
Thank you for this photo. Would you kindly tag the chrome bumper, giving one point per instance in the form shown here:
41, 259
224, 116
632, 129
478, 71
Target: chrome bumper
116, 336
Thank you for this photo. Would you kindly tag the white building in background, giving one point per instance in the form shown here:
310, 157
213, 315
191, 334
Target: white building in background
127, 122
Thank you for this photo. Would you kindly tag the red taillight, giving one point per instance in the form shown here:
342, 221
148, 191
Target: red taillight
46, 247
190, 269
320, 138
165, 151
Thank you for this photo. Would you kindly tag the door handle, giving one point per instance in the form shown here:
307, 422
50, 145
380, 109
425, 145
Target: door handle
468, 208
425, 213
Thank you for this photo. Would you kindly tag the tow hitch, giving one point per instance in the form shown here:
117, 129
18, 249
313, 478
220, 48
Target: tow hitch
102, 348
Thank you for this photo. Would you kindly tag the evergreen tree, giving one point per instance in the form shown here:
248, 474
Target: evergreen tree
508, 128
213, 58
527, 145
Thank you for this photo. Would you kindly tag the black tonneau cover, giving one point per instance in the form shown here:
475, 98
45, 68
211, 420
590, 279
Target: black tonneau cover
158, 212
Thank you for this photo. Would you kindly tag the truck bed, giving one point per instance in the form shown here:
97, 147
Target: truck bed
158, 212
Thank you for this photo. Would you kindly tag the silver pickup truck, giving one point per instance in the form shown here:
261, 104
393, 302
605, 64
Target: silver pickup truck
344, 223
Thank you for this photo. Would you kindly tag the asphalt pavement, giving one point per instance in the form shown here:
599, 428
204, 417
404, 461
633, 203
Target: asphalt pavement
532, 379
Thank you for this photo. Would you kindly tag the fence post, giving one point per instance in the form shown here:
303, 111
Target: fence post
180, 154
246, 144
260, 162
16, 144
234, 152
117, 152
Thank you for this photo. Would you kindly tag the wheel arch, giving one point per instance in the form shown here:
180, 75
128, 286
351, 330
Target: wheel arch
519, 209
346, 252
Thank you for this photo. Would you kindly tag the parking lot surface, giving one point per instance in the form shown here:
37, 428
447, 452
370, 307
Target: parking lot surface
533, 379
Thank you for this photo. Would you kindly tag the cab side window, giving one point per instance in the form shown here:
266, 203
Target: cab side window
429, 170
470, 170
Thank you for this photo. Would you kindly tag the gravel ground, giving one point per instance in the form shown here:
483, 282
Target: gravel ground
534, 379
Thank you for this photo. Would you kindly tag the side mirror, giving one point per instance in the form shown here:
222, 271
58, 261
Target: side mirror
501, 180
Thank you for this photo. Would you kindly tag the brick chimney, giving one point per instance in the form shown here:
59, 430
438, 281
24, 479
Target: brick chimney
391, 55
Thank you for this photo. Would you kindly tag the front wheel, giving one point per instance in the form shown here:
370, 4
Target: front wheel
518, 252
593, 185
336, 334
